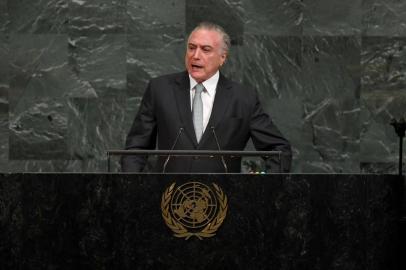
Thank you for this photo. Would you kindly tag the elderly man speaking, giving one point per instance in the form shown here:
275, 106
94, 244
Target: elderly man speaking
200, 109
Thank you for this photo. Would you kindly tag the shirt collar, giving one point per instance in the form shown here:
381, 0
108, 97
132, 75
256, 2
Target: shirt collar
210, 84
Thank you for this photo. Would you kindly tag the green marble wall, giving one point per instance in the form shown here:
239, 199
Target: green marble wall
331, 74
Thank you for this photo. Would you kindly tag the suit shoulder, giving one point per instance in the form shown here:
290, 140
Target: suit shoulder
168, 78
242, 89
237, 86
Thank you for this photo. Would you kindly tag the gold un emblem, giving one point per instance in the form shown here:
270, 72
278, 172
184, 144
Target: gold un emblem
194, 209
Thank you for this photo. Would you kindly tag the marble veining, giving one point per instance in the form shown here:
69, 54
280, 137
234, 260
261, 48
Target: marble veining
330, 73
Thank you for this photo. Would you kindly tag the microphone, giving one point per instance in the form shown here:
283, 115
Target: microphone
218, 146
173, 146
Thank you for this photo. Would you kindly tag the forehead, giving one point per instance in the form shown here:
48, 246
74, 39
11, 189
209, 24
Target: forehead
205, 37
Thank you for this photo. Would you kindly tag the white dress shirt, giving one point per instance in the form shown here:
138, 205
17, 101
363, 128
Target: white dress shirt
208, 94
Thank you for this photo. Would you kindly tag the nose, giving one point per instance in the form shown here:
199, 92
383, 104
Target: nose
196, 53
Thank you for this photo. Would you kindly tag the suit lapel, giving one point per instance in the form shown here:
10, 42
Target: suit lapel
182, 95
220, 105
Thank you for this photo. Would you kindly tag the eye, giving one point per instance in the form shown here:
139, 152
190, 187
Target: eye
206, 49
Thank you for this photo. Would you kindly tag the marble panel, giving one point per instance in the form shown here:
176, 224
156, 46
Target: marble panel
97, 125
273, 17
38, 17
23, 166
331, 124
331, 134
38, 128
4, 101
228, 14
272, 66
383, 96
87, 17
383, 65
4, 142
381, 167
155, 23
4, 18
384, 18
55, 165
40, 81
379, 142
37, 63
39, 67
332, 18
332, 67
149, 62
99, 62
4, 73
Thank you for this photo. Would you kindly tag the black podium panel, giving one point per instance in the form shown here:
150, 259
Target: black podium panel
114, 221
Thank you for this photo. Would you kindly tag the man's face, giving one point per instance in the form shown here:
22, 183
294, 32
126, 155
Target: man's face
204, 54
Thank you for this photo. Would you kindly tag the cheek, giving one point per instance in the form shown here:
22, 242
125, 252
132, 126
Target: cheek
215, 63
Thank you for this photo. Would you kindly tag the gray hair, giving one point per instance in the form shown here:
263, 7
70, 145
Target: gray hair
218, 29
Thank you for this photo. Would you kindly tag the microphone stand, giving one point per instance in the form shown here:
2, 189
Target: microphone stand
218, 147
173, 147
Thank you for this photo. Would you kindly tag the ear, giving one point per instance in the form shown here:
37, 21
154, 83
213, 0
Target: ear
223, 58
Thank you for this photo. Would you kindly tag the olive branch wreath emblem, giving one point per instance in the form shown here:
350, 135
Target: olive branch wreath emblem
180, 230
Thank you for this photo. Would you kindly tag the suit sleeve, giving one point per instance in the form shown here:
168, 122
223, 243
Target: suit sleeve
142, 134
266, 137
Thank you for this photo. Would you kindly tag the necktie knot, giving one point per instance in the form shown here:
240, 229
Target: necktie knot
199, 88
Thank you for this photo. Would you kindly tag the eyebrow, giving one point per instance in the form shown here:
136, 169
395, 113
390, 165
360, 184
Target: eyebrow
203, 46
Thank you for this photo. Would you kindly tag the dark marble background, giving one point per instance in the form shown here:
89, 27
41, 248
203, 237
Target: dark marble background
331, 74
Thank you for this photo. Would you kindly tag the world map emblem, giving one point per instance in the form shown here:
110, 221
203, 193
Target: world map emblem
194, 209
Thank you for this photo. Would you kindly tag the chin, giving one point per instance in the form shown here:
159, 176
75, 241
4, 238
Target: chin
197, 77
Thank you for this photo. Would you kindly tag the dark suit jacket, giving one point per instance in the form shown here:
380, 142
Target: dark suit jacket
236, 116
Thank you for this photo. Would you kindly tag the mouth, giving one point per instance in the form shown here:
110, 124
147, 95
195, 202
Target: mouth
196, 67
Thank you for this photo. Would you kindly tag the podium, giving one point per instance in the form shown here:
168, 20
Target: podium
280, 221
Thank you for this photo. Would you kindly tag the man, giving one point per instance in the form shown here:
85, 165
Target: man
200, 109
